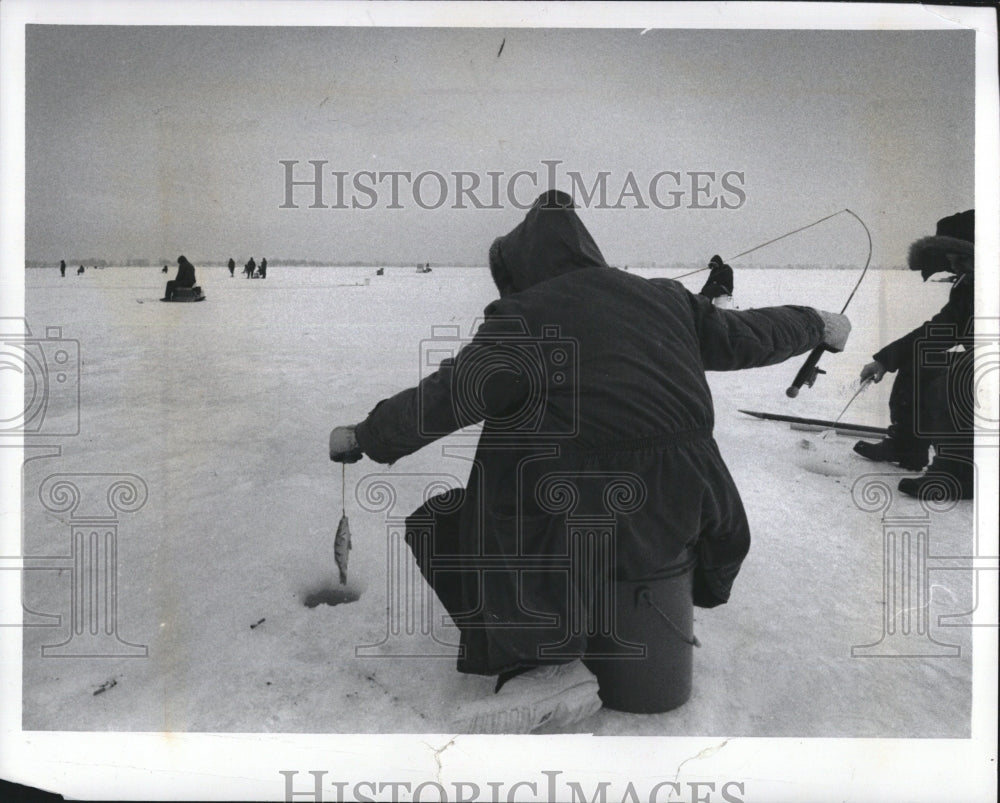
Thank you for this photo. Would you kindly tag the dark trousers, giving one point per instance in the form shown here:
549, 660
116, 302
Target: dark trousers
507, 619
172, 286
932, 403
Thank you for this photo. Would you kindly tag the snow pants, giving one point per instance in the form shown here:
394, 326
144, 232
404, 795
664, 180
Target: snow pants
933, 403
530, 609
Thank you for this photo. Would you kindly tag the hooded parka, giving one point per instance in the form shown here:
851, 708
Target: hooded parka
590, 385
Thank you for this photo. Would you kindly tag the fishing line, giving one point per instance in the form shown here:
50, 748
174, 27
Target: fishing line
857, 393
864, 386
782, 237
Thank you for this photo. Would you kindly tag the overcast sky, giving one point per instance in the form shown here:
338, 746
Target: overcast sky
151, 142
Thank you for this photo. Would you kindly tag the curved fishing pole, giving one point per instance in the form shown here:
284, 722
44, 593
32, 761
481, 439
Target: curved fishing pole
809, 371
868, 260
775, 239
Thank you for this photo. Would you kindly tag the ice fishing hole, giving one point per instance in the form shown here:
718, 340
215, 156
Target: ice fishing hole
330, 595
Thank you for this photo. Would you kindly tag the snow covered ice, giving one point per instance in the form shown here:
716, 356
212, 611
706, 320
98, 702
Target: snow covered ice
223, 410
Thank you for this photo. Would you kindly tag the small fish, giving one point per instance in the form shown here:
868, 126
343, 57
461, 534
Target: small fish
341, 547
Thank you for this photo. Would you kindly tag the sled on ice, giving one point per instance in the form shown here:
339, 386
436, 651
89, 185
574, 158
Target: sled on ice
186, 294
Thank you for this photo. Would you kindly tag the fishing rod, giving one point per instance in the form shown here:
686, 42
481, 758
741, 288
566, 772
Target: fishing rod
810, 369
773, 240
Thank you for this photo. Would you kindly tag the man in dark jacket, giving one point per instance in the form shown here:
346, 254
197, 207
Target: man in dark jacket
933, 382
719, 284
583, 376
184, 278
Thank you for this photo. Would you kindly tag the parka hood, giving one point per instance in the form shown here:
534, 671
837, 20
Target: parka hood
550, 241
954, 234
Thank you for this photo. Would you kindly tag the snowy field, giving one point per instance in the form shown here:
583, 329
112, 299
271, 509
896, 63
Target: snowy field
223, 409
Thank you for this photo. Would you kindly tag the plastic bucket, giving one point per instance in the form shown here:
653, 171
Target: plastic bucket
657, 616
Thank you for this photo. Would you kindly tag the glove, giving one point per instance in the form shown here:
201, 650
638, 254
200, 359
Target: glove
344, 446
836, 328
873, 371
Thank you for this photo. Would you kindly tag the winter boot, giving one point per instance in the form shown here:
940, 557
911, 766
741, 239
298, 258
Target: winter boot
556, 695
911, 456
945, 480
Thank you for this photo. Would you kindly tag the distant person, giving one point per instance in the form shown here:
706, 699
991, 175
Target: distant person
232, 267
165, 269
263, 267
932, 378
719, 286
184, 278
249, 268
79, 271
380, 272
62, 267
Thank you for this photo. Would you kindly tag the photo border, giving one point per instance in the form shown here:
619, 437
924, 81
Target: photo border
248, 766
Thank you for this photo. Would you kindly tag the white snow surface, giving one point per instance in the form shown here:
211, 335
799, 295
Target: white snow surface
223, 409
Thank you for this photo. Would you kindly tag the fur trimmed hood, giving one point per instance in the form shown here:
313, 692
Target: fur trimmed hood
928, 254
955, 235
